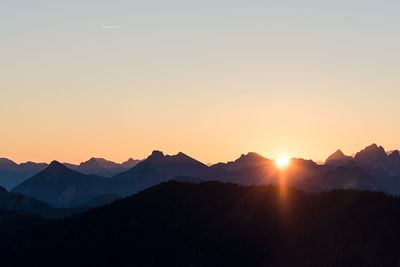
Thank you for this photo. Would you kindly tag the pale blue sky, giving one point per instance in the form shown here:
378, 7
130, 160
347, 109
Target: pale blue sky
211, 78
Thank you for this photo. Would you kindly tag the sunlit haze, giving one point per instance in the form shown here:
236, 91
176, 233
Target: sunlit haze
214, 79
282, 162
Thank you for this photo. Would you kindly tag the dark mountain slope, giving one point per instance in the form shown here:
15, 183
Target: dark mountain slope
348, 176
338, 158
392, 164
159, 168
370, 155
63, 187
130, 163
213, 224
7, 164
250, 160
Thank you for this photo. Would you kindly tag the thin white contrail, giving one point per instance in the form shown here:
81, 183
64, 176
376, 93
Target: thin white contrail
110, 27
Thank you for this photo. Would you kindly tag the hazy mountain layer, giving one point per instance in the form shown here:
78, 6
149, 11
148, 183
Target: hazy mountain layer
371, 169
12, 174
62, 187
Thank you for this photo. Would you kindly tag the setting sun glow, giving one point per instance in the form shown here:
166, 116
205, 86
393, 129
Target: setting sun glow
282, 162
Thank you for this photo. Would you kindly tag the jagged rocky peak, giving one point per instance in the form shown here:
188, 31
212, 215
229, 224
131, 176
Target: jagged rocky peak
250, 156
371, 154
130, 163
156, 155
250, 159
56, 164
182, 156
338, 158
130, 160
7, 163
55, 167
337, 155
394, 155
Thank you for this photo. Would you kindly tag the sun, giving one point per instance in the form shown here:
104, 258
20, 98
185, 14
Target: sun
282, 162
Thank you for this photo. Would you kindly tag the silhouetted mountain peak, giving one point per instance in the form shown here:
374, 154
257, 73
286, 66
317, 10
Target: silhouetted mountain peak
99, 161
245, 161
92, 162
371, 154
181, 154
60, 186
99, 166
6, 163
92, 159
56, 167
338, 154
156, 155
130, 163
251, 156
338, 158
182, 157
395, 154
129, 160
375, 149
56, 164
31, 163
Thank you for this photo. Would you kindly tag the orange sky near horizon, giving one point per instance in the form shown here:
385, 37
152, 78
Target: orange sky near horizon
211, 79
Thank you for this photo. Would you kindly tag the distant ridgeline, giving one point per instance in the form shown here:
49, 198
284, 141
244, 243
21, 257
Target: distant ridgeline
213, 224
12, 174
66, 185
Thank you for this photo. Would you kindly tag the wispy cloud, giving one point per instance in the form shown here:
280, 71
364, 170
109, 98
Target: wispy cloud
110, 27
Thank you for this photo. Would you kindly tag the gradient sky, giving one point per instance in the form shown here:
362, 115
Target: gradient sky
214, 79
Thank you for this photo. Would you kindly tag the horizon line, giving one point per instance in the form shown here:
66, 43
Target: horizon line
388, 152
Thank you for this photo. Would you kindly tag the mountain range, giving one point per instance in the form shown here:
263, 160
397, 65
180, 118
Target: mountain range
60, 186
12, 174
244, 212
103, 167
63, 186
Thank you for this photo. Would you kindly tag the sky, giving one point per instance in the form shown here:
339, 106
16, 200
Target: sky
214, 79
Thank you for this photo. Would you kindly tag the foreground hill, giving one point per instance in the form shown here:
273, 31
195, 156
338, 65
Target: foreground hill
18, 224
214, 224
